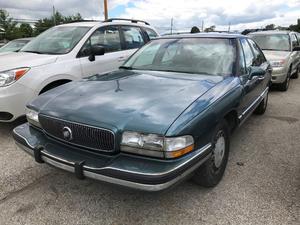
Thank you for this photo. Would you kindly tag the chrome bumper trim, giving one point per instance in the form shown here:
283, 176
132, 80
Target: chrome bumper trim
69, 166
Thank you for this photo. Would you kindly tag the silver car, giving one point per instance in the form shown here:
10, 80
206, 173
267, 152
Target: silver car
282, 49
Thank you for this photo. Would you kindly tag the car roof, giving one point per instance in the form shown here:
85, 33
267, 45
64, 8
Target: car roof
271, 32
96, 23
24, 39
201, 35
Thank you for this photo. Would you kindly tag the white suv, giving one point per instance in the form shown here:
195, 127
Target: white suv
65, 53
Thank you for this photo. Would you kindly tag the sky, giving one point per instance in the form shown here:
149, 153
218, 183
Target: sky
185, 13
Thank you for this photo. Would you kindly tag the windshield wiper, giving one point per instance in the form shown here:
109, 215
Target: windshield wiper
273, 49
126, 67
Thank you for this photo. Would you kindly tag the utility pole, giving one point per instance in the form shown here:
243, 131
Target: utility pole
202, 26
54, 19
172, 25
105, 10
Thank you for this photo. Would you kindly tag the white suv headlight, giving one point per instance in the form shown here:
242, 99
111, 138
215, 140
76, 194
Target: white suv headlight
10, 76
33, 117
155, 145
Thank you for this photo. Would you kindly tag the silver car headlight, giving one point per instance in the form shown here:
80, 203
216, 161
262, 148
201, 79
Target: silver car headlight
33, 117
155, 145
8, 77
277, 63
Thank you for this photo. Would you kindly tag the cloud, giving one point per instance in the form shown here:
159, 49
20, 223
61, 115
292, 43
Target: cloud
187, 13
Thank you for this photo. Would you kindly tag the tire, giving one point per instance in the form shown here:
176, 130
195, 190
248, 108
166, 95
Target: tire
297, 74
261, 108
285, 85
211, 172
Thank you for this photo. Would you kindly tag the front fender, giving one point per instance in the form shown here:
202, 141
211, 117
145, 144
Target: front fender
53, 78
202, 116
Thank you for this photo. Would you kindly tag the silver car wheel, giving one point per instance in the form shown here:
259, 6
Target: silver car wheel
219, 150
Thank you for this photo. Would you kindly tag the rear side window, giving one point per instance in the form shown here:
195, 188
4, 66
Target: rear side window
249, 58
133, 37
151, 33
258, 55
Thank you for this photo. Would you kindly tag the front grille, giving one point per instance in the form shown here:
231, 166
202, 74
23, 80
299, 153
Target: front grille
81, 134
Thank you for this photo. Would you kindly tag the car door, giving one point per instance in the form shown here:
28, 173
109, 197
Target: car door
109, 38
132, 39
251, 56
260, 61
295, 55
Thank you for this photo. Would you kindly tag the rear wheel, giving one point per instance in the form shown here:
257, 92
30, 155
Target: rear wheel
211, 172
285, 85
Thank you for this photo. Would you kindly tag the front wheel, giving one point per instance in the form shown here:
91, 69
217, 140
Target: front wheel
285, 85
297, 74
211, 172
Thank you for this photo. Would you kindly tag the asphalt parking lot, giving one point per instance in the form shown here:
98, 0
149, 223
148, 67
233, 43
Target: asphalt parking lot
261, 184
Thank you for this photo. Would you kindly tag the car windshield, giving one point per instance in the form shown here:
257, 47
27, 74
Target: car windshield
274, 42
57, 40
212, 56
13, 46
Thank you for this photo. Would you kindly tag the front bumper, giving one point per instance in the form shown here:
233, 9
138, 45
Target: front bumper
279, 75
13, 100
127, 170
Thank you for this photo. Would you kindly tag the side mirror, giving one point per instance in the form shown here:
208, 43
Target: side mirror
256, 71
296, 49
96, 50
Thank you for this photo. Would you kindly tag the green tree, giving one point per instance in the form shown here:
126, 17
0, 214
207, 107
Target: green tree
7, 24
57, 18
295, 27
270, 27
210, 29
25, 30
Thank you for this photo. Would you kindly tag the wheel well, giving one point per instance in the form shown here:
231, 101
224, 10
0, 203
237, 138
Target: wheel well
232, 120
54, 84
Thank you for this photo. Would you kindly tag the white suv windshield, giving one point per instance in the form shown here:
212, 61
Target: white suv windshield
212, 56
274, 42
57, 40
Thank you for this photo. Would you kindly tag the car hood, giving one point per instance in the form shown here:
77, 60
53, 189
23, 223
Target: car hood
14, 60
126, 100
276, 55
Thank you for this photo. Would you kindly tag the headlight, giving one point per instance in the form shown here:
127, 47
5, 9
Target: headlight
155, 145
33, 117
10, 76
277, 63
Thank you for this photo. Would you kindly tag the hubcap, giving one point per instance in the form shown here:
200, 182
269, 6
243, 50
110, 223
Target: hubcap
219, 150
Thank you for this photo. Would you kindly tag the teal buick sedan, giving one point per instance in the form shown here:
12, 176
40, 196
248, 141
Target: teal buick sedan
166, 115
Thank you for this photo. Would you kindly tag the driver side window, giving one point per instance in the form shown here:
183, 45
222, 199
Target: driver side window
107, 37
